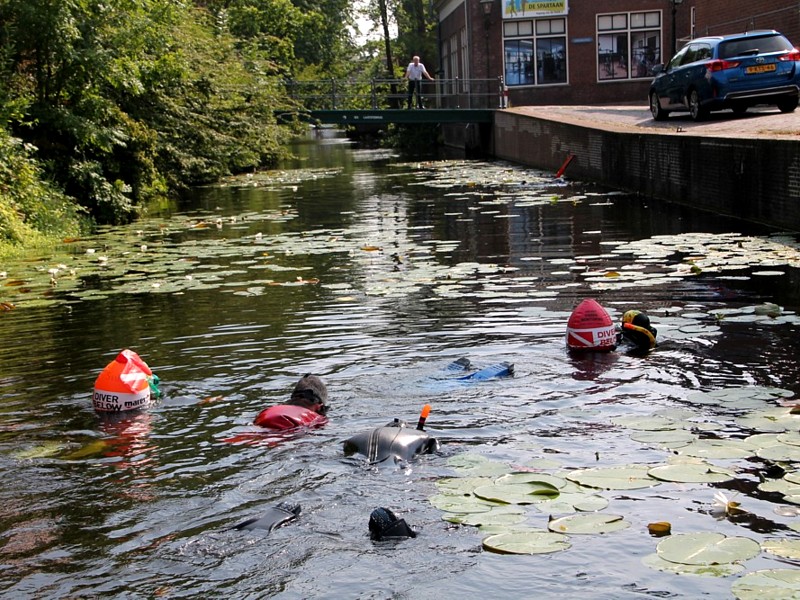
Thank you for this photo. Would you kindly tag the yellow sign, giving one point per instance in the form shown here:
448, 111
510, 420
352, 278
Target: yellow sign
514, 9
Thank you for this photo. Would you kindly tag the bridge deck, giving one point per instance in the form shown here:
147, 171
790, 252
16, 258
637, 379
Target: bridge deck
428, 115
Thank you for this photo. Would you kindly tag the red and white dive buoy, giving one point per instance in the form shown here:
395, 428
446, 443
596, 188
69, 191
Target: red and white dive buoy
590, 328
125, 384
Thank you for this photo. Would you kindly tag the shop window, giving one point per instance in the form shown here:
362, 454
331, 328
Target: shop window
535, 52
628, 45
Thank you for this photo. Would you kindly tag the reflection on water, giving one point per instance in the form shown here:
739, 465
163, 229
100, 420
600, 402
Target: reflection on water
375, 273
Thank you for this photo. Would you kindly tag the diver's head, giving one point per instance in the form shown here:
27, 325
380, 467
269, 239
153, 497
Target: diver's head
310, 392
637, 329
383, 524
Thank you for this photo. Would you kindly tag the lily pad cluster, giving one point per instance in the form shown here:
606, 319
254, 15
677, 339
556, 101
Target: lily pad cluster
498, 499
502, 501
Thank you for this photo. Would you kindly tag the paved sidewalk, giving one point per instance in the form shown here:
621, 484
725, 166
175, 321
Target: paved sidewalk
758, 122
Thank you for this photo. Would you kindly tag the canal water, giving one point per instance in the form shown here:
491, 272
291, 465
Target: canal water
376, 271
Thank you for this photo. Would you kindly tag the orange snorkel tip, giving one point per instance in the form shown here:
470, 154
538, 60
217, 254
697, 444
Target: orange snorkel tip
426, 410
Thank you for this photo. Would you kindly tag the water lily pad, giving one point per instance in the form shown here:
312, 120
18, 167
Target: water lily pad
707, 548
762, 440
460, 504
630, 477
524, 477
461, 485
501, 515
777, 419
476, 465
768, 584
671, 438
691, 473
654, 561
517, 493
654, 423
540, 542
780, 486
740, 398
790, 437
568, 503
588, 523
709, 448
782, 547
780, 452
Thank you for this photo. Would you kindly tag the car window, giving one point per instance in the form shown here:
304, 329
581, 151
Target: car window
689, 56
678, 58
755, 45
703, 52
695, 52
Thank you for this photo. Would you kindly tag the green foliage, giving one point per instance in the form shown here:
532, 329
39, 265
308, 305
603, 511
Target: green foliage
128, 100
120, 103
30, 207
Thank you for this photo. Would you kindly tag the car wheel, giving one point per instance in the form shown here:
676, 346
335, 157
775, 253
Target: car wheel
659, 114
787, 106
697, 112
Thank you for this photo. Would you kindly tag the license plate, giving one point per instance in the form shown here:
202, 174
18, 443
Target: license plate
760, 69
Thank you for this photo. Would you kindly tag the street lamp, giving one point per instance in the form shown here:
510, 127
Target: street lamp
487, 23
675, 4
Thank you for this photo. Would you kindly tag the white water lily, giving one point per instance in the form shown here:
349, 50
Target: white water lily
724, 504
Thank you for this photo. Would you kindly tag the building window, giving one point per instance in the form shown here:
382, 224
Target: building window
628, 45
535, 52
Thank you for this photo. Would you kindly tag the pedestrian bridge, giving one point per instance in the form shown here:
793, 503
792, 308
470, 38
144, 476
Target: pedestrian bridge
383, 101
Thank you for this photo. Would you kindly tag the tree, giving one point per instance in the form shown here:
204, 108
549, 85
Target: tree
126, 99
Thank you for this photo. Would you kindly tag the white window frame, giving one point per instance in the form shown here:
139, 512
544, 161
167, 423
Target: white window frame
642, 32
533, 31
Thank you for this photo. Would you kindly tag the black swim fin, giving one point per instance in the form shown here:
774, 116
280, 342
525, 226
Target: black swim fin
274, 517
462, 364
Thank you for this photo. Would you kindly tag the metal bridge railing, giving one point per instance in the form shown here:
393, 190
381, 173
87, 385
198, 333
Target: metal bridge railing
379, 94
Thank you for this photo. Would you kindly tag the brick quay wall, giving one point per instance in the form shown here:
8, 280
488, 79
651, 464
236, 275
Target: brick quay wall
747, 167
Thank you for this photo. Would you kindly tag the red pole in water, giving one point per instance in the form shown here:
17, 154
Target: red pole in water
563, 168
426, 410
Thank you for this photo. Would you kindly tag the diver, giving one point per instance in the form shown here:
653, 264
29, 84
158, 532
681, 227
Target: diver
384, 525
306, 407
637, 334
394, 442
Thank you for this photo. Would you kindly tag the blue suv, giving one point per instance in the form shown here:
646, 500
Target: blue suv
728, 72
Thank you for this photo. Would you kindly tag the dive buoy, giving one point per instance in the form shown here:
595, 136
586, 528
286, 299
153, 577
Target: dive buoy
590, 328
126, 383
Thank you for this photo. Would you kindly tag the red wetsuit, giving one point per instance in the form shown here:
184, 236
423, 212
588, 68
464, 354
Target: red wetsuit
288, 416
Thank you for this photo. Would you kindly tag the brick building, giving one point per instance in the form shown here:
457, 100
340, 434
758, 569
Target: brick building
717, 17
586, 51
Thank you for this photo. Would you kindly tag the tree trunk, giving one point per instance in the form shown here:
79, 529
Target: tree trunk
387, 42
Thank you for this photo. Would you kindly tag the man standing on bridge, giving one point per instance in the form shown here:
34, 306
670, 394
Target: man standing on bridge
414, 73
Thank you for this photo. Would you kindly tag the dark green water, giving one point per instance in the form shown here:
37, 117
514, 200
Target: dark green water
375, 272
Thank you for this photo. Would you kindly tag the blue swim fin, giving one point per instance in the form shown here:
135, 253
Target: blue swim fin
502, 369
